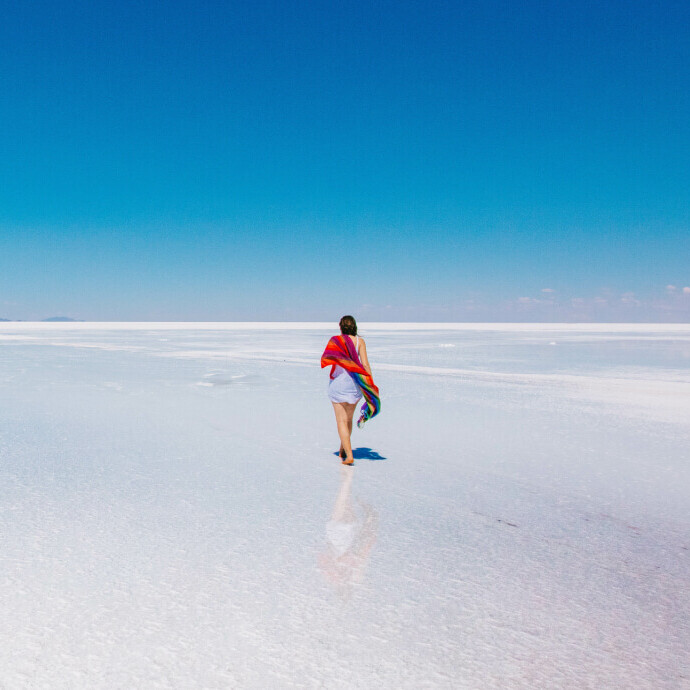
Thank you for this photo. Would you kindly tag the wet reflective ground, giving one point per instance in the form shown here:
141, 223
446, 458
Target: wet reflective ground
173, 515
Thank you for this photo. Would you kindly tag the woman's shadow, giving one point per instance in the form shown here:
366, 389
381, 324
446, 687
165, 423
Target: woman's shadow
365, 454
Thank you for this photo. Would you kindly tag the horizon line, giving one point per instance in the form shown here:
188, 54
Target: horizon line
376, 325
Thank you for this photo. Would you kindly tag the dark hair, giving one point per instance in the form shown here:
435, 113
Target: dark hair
348, 325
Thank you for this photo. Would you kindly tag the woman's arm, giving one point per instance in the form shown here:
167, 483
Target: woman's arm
363, 355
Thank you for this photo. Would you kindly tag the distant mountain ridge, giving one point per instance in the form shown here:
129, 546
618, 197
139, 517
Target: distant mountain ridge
50, 318
60, 318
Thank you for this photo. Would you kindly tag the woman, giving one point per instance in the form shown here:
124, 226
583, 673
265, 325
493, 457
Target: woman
350, 380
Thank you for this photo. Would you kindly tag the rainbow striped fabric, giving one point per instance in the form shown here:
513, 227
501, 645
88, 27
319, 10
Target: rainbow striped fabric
340, 351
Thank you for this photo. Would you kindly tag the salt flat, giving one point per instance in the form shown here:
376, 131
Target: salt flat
173, 516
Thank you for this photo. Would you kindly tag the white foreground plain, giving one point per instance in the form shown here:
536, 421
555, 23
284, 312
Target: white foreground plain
172, 513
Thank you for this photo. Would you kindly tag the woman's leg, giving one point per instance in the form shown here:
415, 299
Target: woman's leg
349, 428
343, 418
350, 413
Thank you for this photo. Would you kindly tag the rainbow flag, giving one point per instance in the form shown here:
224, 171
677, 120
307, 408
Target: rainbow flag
340, 351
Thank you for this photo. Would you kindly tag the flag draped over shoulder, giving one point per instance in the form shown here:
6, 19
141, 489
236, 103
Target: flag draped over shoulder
341, 351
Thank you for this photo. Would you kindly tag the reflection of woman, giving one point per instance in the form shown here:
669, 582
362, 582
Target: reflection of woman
350, 377
350, 536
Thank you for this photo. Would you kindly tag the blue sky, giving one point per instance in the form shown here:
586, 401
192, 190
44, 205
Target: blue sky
396, 160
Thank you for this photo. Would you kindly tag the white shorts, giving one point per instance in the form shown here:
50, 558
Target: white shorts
342, 389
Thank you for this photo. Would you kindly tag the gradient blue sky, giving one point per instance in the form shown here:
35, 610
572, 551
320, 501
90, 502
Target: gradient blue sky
396, 160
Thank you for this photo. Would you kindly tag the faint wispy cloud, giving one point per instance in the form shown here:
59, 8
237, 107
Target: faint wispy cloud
602, 305
629, 298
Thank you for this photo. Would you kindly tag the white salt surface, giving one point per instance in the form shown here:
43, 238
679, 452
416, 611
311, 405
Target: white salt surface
172, 514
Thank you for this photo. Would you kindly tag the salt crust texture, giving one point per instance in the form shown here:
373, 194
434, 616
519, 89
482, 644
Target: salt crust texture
172, 514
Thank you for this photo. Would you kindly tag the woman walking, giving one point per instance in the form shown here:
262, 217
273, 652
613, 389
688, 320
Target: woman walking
350, 381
